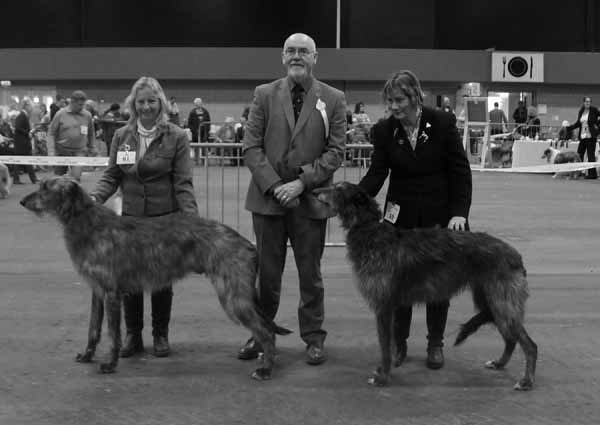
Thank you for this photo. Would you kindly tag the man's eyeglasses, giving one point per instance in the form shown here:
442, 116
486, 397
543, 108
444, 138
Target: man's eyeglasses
302, 51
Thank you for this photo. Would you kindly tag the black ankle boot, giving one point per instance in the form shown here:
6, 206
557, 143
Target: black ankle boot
435, 357
161, 346
133, 345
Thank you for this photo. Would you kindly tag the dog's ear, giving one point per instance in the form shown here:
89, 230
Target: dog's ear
73, 200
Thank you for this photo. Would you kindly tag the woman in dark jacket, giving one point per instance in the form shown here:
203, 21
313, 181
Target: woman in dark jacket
150, 162
430, 185
587, 123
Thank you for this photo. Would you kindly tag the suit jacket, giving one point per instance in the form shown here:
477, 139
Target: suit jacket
593, 117
159, 183
22, 139
277, 150
430, 184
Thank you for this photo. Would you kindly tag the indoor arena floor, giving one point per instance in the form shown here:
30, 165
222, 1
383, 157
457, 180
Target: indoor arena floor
44, 311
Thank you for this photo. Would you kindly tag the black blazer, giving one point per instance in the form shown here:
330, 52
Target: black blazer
430, 184
593, 117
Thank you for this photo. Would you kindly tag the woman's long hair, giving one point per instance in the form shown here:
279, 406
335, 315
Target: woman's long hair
154, 85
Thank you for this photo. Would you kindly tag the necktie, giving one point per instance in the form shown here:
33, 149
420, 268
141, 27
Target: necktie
297, 100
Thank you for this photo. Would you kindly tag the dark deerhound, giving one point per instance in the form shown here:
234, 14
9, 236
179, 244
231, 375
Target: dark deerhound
118, 255
403, 267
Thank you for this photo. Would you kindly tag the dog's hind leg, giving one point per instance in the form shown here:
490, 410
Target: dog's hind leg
112, 302
95, 330
384, 331
530, 349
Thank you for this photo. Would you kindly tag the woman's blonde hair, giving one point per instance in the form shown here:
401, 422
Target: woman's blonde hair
407, 82
154, 85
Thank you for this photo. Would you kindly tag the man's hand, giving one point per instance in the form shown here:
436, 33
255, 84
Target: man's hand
287, 194
457, 223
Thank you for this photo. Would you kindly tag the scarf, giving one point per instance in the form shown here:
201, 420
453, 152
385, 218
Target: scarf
146, 136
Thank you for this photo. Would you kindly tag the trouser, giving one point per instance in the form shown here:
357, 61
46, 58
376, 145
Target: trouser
307, 237
133, 306
75, 171
437, 315
28, 169
588, 146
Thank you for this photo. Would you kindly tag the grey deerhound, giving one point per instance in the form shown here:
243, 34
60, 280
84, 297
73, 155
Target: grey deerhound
118, 255
403, 267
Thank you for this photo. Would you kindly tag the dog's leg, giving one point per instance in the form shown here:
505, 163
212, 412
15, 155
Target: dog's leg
95, 330
509, 347
384, 330
113, 315
267, 358
530, 349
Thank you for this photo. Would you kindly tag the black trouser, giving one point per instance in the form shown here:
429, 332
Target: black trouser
437, 314
588, 146
133, 306
28, 169
307, 237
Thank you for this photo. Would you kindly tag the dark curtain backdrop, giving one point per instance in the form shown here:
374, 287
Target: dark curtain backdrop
540, 25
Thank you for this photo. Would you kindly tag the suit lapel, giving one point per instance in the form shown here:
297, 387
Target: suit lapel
285, 97
310, 102
422, 135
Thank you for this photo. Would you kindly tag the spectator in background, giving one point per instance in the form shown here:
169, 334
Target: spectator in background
446, 107
92, 108
520, 116
59, 103
110, 121
227, 134
361, 124
564, 134
498, 121
23, 140
240, 128
173, 111
199, 124
587, 123
532, 125
71, 133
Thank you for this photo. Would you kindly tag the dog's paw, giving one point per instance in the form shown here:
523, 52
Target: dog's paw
85, 357
107, 368
524, 384
378, 379
262, 374
493, 364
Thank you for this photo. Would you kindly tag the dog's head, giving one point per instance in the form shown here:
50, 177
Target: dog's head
350, 202
547, 155
61, 196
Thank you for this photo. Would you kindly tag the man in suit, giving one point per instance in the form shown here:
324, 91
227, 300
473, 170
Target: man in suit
293, 143
23, 140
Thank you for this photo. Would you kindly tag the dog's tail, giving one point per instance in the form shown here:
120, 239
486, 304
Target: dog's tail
472, 325
271, 325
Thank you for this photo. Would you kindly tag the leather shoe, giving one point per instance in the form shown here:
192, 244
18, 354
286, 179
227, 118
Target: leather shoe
133, 344
161, 346
250, 350
435, 357
315, 354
